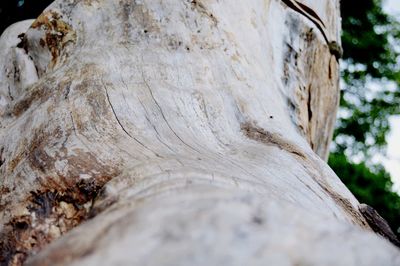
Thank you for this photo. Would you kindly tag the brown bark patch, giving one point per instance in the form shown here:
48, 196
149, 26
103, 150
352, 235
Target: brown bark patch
54, 209
52, 213
57, 33
261, 135
58, 202
38, 93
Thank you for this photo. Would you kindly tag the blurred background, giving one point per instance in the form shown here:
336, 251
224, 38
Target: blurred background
365, 151
366, 147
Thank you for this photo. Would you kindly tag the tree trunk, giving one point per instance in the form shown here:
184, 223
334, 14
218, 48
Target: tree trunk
176, 133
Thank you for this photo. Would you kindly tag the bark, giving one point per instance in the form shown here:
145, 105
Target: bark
176, 133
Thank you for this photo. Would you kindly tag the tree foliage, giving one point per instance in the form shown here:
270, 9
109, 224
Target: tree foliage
371, 75
370, 95
372, 187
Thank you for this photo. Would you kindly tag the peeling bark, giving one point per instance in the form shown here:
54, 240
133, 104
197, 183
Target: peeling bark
176, 133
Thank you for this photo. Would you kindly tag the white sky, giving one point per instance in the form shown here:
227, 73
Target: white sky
392, 7
392, 163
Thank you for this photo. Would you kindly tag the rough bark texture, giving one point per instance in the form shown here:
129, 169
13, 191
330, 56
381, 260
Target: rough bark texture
180, 132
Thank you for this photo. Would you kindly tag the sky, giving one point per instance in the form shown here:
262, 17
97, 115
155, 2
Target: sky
392, 162
392, 7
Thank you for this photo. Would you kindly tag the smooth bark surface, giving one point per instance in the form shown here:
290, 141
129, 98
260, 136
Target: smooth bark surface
176, 133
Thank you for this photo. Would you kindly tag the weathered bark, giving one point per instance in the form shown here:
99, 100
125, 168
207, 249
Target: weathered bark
180, 132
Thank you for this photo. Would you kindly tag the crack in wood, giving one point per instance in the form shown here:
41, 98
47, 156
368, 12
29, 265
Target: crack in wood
113, 110
73, 123
122, 127
163, 116
9, 93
